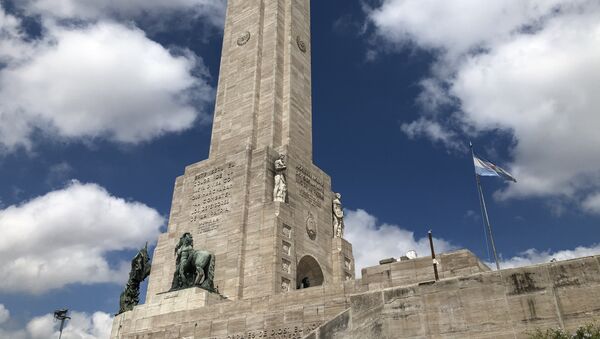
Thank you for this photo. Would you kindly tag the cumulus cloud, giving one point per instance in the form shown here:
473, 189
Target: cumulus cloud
4, 314
373, 241
528, 68
459, 26
103, 80
432, 130
63, 237
213, 10
11, 37
534, 256
592, 203
80, 326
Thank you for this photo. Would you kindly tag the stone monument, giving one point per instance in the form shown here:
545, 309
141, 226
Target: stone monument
258, 204
273, 260
249, 201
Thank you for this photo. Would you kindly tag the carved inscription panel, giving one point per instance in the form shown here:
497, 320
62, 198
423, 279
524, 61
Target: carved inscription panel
211, 196
290, 332
312, 188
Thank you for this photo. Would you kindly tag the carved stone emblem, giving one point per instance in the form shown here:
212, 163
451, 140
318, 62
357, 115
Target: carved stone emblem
301, 44
311, 226
243, 39
285, 285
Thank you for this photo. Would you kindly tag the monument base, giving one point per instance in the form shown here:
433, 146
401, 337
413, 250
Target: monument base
166, 305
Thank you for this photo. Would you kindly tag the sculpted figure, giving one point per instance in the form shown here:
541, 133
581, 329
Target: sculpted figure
280, 190
140, 269
192, 267
338, 217
305, 283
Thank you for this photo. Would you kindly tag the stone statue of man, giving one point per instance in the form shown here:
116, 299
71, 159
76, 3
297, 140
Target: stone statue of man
338, 217
280, 190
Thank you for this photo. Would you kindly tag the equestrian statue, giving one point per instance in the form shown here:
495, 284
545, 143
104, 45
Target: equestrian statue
193, 267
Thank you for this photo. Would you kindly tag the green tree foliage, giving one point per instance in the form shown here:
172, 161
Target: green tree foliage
590, 331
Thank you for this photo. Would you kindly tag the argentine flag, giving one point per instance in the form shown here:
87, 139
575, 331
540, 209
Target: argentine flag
487, 169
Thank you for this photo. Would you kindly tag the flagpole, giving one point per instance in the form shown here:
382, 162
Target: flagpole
484, 211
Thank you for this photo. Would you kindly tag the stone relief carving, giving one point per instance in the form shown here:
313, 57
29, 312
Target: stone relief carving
347, 263
301, 44
338, 217
287, 231
280, 189
243, 39
311, 226
193, 267
285, 285
286, 247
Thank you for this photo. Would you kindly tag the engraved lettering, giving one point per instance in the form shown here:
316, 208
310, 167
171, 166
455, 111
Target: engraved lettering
312, 188
211, 196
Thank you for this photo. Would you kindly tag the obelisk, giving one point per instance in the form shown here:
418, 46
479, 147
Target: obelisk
269, 227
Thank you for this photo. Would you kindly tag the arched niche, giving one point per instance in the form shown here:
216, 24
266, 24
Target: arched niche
308, 268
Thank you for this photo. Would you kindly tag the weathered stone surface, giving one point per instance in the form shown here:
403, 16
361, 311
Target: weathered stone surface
503, 304
263, 248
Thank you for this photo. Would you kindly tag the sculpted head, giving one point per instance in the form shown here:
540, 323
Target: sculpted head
339, 196
187, 239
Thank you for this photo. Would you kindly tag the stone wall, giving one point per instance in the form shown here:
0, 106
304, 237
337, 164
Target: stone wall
194, 313
502, 304
406, 272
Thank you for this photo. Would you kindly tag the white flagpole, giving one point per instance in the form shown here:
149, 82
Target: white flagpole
484, 211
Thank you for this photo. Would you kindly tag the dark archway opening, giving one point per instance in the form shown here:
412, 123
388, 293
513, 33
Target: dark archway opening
308, 273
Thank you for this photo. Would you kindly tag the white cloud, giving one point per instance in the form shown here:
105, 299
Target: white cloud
212, 10
373, 241
4, 314
592, 203
455, 27
80, 326
104, 80
432, 130
529, 68
11, 37
63, 237
534, 256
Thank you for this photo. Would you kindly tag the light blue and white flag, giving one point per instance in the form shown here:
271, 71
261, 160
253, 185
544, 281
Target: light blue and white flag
487, 169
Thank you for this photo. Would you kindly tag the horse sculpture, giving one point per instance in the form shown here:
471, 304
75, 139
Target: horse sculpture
193, 267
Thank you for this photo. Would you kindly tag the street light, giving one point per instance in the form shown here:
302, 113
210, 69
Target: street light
62, 316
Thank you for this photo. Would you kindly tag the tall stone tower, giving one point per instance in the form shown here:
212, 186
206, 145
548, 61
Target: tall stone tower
282, 267
265, 242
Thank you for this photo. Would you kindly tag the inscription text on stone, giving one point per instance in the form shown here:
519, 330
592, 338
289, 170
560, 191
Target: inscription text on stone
211, 196
311, 187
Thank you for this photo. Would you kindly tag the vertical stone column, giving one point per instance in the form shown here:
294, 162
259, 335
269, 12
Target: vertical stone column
264, 91
343, 260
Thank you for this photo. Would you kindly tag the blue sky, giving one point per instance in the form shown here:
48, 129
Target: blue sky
103, 104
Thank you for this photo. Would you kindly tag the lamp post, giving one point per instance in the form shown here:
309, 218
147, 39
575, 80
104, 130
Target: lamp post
435, 262
62, 316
